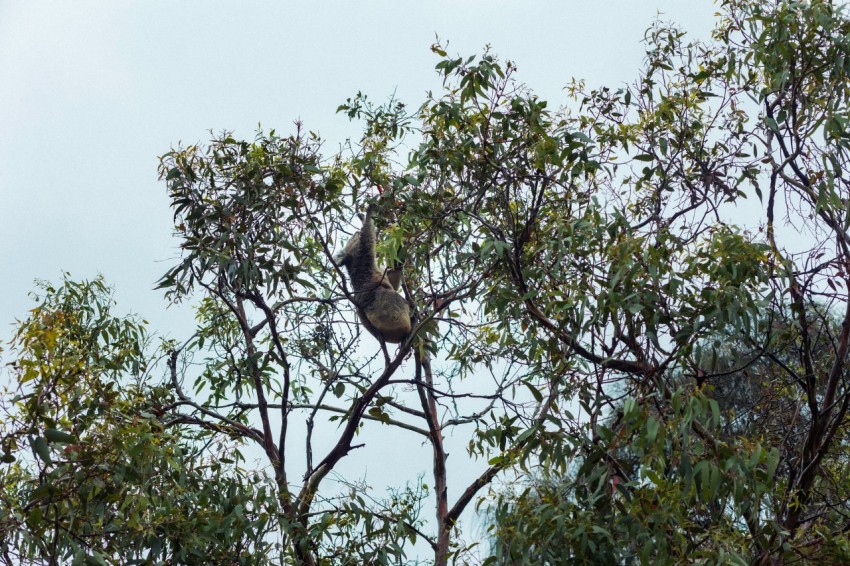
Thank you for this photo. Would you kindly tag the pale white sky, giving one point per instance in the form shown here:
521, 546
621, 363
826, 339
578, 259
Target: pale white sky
92, 92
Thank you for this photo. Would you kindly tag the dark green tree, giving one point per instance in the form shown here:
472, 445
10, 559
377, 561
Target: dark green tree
111, 479
743, 461
559, 264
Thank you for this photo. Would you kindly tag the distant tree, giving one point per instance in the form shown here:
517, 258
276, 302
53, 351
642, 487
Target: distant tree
736, 446
755, 398
111, 479
558, 265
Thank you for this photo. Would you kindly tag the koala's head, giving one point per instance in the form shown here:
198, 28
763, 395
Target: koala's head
343, 258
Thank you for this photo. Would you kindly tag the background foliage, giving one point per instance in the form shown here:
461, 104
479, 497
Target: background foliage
660, 384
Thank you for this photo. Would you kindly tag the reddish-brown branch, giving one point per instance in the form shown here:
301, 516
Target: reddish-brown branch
625, 366
343, 445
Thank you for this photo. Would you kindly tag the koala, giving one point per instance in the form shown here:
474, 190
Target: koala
382, 311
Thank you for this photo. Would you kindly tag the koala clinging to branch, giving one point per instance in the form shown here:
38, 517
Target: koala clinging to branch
380, 308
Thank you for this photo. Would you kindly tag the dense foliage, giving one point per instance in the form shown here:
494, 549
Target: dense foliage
636, 306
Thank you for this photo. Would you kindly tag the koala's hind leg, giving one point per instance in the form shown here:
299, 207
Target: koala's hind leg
367, 324
390, 316
394, 277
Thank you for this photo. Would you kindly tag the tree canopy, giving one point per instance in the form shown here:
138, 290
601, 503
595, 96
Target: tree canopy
634, 309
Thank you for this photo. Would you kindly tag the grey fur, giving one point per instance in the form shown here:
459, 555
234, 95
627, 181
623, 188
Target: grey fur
383, 312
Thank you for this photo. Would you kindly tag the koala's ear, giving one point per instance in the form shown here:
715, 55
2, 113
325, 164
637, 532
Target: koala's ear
343, 257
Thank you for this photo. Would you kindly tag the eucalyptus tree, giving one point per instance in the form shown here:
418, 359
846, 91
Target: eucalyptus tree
568, 272
758, 113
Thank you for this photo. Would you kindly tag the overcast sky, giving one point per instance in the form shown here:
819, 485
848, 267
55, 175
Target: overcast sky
92, 92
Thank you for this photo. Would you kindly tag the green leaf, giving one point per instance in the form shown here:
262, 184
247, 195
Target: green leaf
771, 123
538, 396
40, 448
59, 436
652, 427
377, 413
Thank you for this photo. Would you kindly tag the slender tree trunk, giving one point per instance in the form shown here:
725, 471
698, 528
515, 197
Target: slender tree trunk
429, 406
